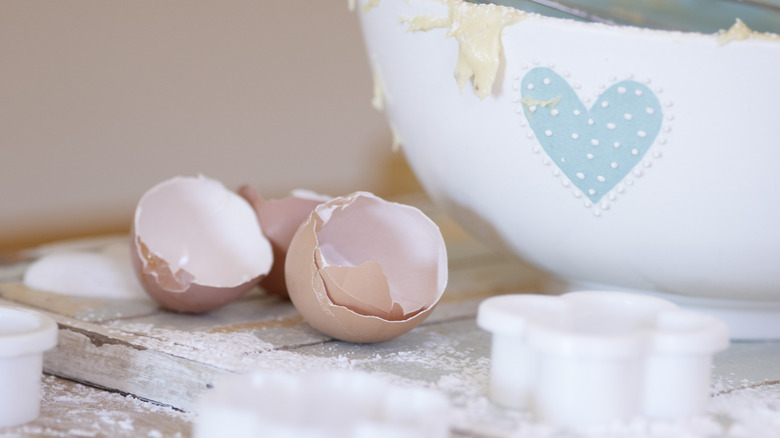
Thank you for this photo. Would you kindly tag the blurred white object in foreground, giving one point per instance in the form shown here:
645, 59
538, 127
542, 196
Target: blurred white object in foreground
24, 336
591, 358
335, 404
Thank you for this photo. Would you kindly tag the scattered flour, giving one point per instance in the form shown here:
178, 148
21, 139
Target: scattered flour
431, 360
450, 365
456, 365
235, 351
73, 410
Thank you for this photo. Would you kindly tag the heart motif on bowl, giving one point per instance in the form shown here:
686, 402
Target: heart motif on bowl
597, 147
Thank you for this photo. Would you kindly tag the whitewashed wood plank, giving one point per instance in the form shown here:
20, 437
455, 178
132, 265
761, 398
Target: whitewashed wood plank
172, 366
85, 309
69, 409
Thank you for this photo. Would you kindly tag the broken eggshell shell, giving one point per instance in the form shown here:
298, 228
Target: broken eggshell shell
196, 245
280, 219
363, 269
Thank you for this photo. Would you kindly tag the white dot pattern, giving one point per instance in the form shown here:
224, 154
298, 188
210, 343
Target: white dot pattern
626, 115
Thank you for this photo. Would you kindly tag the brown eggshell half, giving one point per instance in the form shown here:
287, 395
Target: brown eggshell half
362, 269
197, 246
279, 219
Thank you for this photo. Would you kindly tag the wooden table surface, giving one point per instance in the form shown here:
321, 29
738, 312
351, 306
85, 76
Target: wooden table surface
127, 368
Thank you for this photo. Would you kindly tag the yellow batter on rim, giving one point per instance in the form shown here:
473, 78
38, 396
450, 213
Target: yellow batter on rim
477, 29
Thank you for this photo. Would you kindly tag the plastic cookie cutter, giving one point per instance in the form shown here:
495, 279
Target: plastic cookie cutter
24, 336
590, 358
323, 405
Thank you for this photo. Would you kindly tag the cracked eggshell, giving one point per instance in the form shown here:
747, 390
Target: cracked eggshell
280, 219
196, 245
362, 269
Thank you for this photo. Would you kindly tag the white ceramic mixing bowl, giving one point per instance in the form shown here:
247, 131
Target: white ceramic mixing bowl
613, 157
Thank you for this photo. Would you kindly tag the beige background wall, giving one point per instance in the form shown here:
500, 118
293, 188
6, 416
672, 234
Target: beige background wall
101, 99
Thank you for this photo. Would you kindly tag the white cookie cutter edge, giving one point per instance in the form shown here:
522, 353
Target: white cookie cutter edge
588, 358
324, 404
24, 336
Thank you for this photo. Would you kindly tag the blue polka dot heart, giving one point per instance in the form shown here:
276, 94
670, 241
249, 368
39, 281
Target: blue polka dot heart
597, 147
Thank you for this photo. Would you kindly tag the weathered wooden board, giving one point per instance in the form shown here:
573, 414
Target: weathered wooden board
135, 348
70, 409
170, 358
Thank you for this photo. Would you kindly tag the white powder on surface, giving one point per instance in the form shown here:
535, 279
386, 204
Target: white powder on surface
741, 413
235, 351
753, 411
449, 364
73, 410
440, 363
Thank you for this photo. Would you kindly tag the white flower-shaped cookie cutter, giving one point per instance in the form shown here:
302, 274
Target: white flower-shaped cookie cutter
323, 405
24, 336
590, 358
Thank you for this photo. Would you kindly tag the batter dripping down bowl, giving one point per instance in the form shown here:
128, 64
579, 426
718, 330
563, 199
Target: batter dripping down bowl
613, 156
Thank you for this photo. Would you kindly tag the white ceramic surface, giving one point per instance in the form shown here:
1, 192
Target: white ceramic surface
24, 336
590, 358
692, 212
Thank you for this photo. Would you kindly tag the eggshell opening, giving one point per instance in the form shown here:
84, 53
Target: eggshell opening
280, 219
197, 245
363, 269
